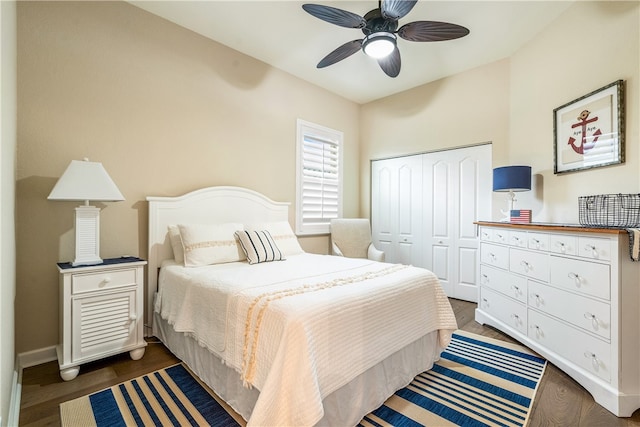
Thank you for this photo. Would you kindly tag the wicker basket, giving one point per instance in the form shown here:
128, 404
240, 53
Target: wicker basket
609, 210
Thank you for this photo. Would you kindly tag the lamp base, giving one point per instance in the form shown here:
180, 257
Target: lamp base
87, 236
506, 216
511, 198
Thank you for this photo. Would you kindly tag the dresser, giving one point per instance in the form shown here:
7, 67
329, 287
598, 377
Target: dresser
572, 294
101, 312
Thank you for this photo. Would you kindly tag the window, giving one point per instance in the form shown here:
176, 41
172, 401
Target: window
319, 178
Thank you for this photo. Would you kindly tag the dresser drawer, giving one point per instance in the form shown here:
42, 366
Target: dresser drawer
500, 236
587, 277
531, 264
100, 281
594, 248
588, 314
563, 244
580, 348
538, 242
496, 235
507, 310
518, 239
495, 255
504, 282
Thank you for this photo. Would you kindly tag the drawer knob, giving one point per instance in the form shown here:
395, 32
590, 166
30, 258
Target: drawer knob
593, 249
595, 362
106, 281
516, 319
539, 332
538, 299
516, 290
563, 248
526, 265
485, 278
485, 302
537, 243
500, 237
595, 322
576, 278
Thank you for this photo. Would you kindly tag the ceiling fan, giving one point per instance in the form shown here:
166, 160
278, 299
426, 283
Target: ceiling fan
380, 28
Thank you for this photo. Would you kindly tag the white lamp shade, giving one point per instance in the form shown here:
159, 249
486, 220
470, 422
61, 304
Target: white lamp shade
85, 180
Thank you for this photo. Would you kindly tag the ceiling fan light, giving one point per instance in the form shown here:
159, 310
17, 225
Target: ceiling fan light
379, 45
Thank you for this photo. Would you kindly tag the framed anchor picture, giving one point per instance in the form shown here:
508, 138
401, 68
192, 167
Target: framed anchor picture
589, 131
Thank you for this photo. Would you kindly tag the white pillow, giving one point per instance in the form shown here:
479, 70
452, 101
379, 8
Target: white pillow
205, 244
258, 246
282, 234
176, 243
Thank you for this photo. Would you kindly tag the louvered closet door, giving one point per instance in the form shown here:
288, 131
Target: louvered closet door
396, 186
102, 323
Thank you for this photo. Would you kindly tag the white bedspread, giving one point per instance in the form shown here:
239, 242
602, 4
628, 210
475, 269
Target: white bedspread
298, 333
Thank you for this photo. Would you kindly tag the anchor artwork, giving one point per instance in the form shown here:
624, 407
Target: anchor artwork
589, 131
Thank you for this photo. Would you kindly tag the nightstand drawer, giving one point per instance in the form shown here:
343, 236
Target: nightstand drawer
90, 282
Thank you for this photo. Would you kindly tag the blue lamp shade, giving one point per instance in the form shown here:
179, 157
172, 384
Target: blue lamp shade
512, 178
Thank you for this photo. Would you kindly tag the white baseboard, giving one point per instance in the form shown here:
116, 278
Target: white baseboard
25, 360
13, 416
37, 357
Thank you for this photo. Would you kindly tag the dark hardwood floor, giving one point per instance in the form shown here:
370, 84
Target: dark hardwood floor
560, 401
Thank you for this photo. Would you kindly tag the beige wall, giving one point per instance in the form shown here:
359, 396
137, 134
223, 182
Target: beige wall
166, 111
7, 206
591, 45
465, 109
511, 102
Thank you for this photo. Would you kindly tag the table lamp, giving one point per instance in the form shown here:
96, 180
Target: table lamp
84, 181
511, 179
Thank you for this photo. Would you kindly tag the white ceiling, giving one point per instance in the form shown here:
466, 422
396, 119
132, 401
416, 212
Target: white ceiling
283, 35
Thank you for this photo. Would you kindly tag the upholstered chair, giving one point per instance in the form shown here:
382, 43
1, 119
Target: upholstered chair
351, 238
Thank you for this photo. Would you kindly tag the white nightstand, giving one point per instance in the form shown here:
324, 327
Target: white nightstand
101, 312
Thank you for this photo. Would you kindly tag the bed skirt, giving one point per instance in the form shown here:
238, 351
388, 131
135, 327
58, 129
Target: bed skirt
345, 406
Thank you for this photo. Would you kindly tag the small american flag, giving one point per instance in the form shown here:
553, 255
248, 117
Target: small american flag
521, 216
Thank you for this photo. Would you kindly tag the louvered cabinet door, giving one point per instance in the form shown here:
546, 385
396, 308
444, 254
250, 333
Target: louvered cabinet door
102, 323
101, 312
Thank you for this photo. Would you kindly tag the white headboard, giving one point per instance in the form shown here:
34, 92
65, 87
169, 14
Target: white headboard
212, 205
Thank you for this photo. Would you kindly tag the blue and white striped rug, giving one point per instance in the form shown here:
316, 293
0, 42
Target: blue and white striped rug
478, 381
168, 397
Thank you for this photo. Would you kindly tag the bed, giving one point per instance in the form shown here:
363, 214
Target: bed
283, 336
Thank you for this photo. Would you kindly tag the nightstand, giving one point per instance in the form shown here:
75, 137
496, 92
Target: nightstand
101, 312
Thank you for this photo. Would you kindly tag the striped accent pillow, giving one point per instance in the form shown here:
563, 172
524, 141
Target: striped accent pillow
259, 246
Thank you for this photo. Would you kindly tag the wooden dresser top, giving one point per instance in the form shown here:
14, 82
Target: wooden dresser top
545, 226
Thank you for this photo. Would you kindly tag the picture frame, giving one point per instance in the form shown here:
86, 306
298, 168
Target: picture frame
588, 132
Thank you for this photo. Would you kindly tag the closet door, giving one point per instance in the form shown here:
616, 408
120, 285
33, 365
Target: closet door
456, 192
396, 208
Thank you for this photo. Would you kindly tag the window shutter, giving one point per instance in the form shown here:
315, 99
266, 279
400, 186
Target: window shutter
319, 181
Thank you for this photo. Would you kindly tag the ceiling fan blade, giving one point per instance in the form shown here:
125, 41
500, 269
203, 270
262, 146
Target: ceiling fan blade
335, 16
344, 51
390, 64
396, 9
431, 31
